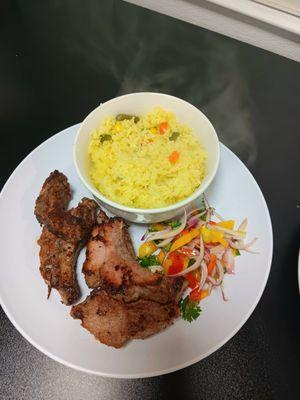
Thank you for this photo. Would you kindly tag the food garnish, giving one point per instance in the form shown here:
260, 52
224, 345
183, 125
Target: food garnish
190, 310
174, 136
201, 247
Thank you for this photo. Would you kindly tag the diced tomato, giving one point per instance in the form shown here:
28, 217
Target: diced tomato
178, 262
190, 277
195, 295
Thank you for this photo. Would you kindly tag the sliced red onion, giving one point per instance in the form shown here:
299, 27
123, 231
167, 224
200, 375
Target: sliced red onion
251, 251
205, 201
218, 216
243, 225
223, 293
211, 280
193, 222
194, 244
228, 259
241, 245
144, 235
168, 233
220, 269
232, 237
213, 272
203, 275
206, 257
216, 281
208, 215
198, 214
164, 242
218, 251
209, 287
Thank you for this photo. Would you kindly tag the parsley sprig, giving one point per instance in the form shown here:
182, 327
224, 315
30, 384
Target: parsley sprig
148, 261
190, 310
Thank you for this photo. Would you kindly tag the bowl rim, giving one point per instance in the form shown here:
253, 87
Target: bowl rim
201, 189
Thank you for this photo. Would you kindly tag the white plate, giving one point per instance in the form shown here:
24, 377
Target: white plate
46, 323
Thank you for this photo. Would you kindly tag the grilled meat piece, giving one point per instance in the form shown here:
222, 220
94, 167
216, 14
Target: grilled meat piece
110, 263
63, 235
55, 195
114, 322
58, 259
74, 225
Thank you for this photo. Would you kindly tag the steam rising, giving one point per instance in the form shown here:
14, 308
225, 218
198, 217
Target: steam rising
145, 51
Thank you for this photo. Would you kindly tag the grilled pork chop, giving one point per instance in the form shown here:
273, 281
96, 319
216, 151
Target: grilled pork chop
110, 263
74, 225
58, 259
63, 235
55, 195
114, 322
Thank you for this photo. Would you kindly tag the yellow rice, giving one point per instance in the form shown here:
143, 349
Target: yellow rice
132, 165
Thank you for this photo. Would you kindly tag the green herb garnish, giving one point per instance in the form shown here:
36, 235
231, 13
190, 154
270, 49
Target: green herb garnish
174, 136
148, 261
191, 262
237, 253
105, 137
175, 224
190, 310
123, 117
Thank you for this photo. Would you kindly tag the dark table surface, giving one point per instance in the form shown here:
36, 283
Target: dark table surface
59, 60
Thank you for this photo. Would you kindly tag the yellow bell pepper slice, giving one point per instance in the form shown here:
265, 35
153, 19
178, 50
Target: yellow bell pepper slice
206, 234
227, 224
146, 249
161, 256
213, 236
184, 239
158, 227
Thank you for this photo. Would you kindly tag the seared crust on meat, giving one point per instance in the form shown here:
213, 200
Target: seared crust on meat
111, 263
128, 301
114, 322
58, 259
63, 235
55, 195
74, 225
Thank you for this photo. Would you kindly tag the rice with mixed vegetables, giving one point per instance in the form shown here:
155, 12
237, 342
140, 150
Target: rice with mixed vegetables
147, 161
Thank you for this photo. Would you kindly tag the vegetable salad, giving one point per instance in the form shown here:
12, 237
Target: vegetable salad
201, 246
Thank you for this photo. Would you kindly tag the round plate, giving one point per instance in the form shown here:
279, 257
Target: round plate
47, 324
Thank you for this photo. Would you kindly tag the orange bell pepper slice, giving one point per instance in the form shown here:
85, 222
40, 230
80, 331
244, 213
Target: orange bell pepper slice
189, 236
212, 263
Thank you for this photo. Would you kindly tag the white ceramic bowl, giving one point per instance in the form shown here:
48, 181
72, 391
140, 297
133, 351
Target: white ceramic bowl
139, 104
